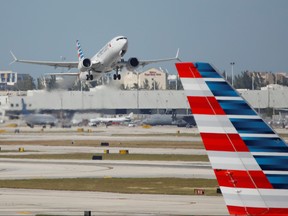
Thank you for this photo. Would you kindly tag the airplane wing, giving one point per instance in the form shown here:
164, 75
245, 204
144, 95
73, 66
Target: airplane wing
55, 64
146, 62
143, 63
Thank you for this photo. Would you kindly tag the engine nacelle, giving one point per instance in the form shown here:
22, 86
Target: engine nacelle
85, 64
132, 63
83, 76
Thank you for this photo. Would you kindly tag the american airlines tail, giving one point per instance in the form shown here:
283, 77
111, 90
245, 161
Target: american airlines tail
79, 51
249, 159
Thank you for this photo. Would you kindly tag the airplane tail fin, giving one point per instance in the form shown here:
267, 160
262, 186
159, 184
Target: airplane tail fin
249, 159
24, 110
131, 115
79, 50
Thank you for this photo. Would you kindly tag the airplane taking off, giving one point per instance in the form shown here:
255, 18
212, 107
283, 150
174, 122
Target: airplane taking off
249, 159
95, 121
37, 119
107, 59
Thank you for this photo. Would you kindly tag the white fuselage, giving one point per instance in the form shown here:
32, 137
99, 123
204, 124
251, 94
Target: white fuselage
105, 120
110, 54
112, 120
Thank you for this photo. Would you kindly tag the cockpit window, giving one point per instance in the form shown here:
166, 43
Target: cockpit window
121, 38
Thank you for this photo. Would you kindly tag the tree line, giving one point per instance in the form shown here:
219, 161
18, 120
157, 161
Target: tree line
255, 80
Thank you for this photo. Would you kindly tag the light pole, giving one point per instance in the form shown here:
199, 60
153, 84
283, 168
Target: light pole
138, 90
232, 72
63, 58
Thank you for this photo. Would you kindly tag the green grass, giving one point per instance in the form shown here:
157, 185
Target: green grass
88, 156
171, 186
8, 151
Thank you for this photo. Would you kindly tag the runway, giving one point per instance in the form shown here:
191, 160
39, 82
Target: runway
35, 169
41, 149
30, 202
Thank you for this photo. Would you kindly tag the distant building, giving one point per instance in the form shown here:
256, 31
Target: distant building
273, 78
150, 79
7, 78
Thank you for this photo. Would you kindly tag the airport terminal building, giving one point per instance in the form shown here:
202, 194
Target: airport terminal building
111, 100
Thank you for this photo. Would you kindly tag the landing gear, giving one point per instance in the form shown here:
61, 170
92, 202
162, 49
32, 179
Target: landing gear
117, 75
89, 77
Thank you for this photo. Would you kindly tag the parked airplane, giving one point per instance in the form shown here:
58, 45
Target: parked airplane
37, 119
249, 159
107, 59
96, 121
168, 119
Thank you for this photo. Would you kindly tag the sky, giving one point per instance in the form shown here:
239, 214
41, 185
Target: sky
251, 33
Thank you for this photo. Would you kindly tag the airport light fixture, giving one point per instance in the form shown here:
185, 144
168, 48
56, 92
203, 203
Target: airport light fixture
232, 73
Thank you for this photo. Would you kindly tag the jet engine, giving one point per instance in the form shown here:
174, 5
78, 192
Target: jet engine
84, 65
132, 63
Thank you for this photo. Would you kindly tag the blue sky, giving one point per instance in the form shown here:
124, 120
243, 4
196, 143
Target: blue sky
251, 33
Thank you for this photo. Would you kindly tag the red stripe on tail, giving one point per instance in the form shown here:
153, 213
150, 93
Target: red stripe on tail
187, 70
223, 142
205, 105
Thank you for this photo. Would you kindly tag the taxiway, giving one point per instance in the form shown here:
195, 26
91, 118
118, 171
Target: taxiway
31, 202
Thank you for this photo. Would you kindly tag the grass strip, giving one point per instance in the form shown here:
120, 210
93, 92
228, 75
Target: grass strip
88, 156
171, 186
8, 151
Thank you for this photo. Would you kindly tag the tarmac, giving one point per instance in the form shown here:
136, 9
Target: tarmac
47, 169
32, 202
